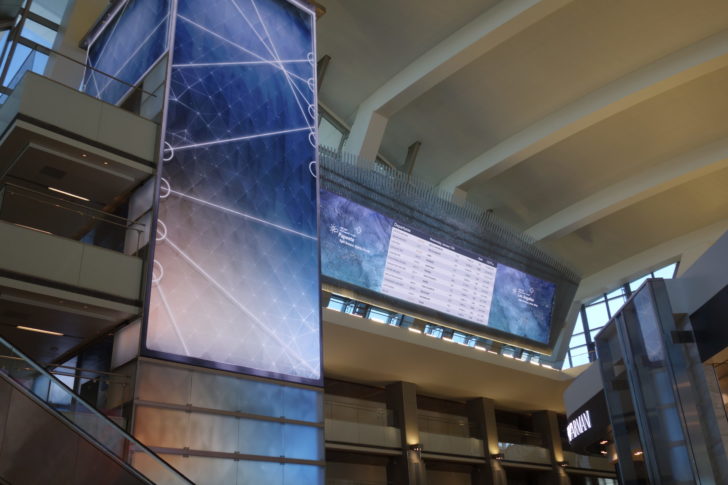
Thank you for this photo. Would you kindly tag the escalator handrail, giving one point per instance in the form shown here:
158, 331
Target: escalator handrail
136, 443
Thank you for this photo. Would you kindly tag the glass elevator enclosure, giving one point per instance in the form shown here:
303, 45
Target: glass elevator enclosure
652, 382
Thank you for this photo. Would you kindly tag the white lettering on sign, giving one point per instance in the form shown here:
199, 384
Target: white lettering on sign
578, 425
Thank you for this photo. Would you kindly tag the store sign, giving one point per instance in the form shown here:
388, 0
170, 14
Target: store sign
578, 426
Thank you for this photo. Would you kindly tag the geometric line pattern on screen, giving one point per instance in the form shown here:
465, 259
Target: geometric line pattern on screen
274, 61
261, 325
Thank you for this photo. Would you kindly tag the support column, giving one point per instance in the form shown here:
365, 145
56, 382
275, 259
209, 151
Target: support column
409, 468
321, 66
459, 196
366, 134
481, 413
409, 162
547, 424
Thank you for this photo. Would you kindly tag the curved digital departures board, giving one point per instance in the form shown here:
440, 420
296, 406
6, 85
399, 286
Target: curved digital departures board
235, 283
365, 249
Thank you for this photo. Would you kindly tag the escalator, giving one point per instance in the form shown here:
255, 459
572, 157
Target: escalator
48, 434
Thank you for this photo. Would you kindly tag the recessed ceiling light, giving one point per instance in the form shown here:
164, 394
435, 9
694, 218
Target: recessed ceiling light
603, 442
69, 194
637, 453
39, 330
84, 155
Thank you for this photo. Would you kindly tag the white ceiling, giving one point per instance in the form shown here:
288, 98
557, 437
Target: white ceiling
616, 101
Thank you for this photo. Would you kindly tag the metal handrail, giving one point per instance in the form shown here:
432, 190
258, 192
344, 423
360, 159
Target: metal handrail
47, 51
355, 406
83, 210
134, 444
50, 367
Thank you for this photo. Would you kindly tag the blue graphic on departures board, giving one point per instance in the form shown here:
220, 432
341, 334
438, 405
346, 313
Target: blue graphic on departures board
128, 46
235, 281
354, 248
358, 247
521, 304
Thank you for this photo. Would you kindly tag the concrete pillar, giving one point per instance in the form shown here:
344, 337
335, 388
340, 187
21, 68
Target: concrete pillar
459, 196
481, 413
409, 468
79, 15
366, 134
409, 162
547, 424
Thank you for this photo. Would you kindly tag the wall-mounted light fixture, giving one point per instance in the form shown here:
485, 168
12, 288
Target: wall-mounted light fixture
498, 456
563, 464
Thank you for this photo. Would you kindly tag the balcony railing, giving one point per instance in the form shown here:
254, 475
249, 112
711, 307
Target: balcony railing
576, 460
358, 413
524, 453
444, 425
360, 424
519, 437
49, 214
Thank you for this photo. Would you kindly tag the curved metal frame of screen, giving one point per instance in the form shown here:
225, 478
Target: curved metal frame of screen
408, 200
262, 316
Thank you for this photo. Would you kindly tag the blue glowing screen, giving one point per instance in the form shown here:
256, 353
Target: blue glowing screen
364, 248
127, 47
235, 281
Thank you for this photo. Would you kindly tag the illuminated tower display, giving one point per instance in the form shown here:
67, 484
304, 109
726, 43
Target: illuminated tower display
235, 280
233, 274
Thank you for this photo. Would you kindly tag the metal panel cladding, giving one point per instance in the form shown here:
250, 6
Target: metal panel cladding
235, 283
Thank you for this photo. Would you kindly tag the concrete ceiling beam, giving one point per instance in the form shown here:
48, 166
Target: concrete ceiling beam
496, 25
663, 176
669, 72
686, 248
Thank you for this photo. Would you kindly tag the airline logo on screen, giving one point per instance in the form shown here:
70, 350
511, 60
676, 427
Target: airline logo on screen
578, 426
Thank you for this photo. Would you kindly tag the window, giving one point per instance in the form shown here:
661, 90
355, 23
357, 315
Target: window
40, 27
595, 314
52, 10
577, 339
634, 285
433, 330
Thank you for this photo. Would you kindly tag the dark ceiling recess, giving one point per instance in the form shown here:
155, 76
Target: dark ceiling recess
52, 172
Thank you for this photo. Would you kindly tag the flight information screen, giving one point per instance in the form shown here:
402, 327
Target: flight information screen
364, 248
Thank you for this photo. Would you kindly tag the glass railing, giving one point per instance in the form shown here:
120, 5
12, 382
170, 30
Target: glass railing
524, 453
358, 413
82, 416
26, 66
519, 437
576, 460
720, 376
49, 214
340, 481
105, 391
445, 425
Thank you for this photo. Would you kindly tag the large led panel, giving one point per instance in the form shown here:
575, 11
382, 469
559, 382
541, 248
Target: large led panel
126, 48
365, 249
235, 279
